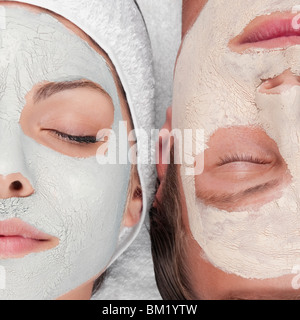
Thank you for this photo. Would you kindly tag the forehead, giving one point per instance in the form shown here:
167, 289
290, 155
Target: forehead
38, 10
44, 46
7, 5
46, 37
36, 47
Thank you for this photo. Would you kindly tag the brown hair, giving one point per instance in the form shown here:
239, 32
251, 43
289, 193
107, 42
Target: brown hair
168, 241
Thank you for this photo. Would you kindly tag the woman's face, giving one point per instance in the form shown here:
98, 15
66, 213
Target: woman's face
61, 212
237, 77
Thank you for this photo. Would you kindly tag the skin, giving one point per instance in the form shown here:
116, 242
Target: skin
40, 122
208, 282
191, 10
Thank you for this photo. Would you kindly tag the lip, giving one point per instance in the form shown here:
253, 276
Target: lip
18, 239
276, 31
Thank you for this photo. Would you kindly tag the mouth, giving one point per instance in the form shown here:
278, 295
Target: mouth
18, 239
276, 31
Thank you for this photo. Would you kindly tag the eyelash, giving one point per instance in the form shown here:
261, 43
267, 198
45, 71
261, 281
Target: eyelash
241, 158
76, 139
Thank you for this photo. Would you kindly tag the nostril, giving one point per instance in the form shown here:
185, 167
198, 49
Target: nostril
16, 186
280, 83
271, 84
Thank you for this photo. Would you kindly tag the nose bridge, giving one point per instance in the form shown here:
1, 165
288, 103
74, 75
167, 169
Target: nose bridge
12, 159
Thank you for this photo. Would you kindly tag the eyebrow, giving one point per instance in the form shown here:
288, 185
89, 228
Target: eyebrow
49, 89
211, 197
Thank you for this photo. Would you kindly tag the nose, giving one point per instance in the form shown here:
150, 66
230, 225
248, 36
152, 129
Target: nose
280, 83
14, 186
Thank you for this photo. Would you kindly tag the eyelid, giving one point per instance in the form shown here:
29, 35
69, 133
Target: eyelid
75, 139
242, 158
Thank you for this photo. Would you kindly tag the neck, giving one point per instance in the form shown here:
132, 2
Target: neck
83, 292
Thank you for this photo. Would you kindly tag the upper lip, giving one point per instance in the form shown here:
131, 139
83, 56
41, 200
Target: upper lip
267, 28
18, 228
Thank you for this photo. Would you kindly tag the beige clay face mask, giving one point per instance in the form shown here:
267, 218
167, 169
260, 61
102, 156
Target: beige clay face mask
216, 88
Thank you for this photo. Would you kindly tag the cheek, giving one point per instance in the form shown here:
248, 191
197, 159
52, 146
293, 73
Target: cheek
78, 200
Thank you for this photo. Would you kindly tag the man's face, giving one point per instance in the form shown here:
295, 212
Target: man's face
57, 93
237, 78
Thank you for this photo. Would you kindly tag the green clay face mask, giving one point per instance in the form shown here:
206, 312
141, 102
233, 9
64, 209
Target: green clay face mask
78, 201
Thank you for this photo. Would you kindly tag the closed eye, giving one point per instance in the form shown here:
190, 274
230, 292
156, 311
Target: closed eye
242, 158
76, 139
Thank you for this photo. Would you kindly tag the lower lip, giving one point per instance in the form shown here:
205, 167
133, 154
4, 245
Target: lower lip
18, 247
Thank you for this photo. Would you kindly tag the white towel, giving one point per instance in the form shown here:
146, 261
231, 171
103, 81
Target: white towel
164, 23
132, 276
